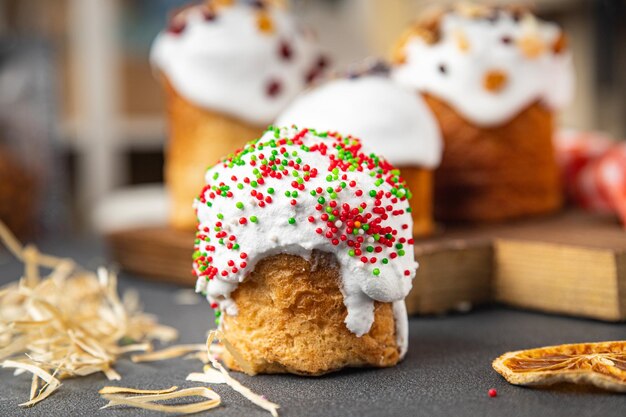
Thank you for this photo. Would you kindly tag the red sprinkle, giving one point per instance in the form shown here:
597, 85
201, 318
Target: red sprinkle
285, 51
273, 88
492, 392
177, 27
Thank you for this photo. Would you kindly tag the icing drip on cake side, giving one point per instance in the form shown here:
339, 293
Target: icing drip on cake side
489, 67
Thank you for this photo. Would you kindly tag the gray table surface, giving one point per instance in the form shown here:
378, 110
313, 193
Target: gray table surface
447, 371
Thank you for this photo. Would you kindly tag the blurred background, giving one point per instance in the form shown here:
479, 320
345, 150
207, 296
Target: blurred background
82, 119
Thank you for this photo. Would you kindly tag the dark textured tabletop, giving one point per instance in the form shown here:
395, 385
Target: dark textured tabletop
447, 371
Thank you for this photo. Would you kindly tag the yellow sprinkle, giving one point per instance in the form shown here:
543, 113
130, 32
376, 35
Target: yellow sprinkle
461, 41
264, 22
531, 46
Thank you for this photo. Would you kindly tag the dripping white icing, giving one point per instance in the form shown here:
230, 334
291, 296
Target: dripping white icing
389, 119
454, 67
230, 65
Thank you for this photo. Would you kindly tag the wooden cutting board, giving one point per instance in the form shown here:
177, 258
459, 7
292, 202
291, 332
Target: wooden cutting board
573, 263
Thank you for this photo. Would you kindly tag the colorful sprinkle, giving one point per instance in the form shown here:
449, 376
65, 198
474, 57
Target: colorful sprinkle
273, 88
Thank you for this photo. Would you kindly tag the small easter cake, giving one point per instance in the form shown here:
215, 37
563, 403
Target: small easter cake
228, 67
495, 78
389, 119
304, 250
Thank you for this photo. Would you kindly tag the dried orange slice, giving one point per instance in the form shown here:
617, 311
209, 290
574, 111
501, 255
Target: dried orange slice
601, 364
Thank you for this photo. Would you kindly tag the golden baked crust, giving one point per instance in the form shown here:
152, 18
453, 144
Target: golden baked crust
291, 320
495, 174
198, 138
420, 182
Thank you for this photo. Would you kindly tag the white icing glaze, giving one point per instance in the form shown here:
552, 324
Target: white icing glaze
547, 77
389, 119
402, 326
272, 233
228, 63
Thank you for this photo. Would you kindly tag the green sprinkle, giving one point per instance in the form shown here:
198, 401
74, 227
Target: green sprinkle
294, 194
385, 261
240, 186
209, 204
236, 246
329, 178
313, 193
253, 219
351, 252
270, 190
287, 193
239, 205
321, 200
370, 249
292, 220
372, 193
220, 216
401, 252
376, 271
